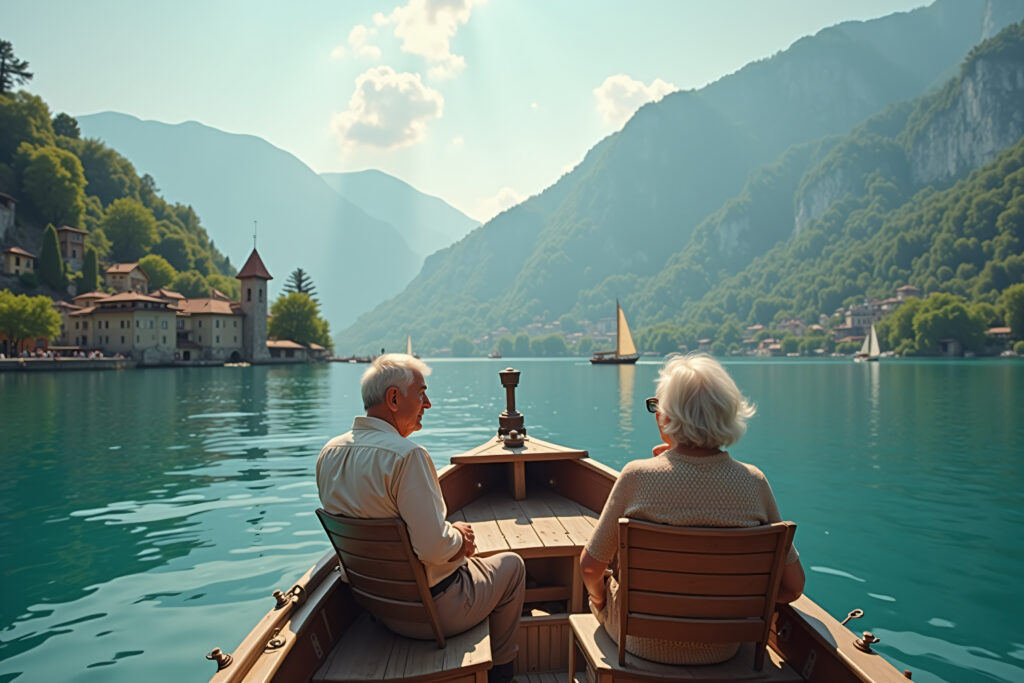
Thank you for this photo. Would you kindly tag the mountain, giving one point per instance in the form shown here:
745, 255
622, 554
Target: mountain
427, 223
231, 180
638, 196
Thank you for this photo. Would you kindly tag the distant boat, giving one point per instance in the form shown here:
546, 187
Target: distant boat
625, 350
870, 351
494, 354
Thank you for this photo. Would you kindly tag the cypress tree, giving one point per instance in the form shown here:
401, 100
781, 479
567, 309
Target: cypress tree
90, 271
51, 264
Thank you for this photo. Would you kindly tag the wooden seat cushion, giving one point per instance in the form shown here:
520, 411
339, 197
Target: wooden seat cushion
602, 653
368, 651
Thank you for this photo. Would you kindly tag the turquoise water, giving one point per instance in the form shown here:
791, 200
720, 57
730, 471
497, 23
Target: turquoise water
148, 515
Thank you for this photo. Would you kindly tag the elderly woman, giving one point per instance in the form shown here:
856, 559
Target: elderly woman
691, 481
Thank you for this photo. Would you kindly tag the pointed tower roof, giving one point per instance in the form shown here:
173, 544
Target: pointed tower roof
254, 268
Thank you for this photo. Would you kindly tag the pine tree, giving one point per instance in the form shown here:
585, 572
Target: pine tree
90, 271
13, 71
51, 264
300, 282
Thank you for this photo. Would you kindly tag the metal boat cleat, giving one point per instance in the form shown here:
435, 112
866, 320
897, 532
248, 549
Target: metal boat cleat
865, 642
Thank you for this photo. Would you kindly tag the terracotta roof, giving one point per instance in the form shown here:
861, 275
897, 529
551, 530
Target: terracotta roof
317, 347
907, 288
84, 311
254, 268
283, 344
999, 330
65, 304
207, 306
123, 268
165, 293
217, 294
91, 296
68, 228
131, 296
19, 251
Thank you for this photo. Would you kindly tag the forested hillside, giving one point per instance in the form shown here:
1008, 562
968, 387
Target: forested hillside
699, 183
58, 178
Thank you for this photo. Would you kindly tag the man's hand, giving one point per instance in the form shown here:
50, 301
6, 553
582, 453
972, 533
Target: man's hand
468, 548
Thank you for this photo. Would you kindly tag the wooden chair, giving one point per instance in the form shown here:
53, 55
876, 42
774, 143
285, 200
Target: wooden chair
388, 580
692, 585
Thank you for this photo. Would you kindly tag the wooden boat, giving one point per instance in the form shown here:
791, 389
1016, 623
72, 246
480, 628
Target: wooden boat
625, 350
870, 351
540, 500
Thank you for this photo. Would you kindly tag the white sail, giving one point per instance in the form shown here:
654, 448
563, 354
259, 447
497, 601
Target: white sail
624, 340
865, 348
408, 344
873, 349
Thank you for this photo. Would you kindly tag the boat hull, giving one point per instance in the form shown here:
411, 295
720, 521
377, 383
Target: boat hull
615, 360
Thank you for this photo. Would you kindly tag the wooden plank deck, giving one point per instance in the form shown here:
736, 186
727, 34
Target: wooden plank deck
544, 524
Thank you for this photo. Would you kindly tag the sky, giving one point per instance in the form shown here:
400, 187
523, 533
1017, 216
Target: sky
480, 102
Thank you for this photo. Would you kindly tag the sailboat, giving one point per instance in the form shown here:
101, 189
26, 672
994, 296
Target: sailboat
625, 351
870, 350
408, 346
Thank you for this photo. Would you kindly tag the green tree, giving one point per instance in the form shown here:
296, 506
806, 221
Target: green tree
161, 273
1018, 348
66, 125
191, 284
947, 317
296, 316
300, 281
90, 281
13, 71
462, 346
521, 345
585, 346
1013, 304
51, 265
53, 181
98, 240
25, 317
110, 175
227, 285
549, 346
23, 118
175, 249
131, 228
506, 345
790, 344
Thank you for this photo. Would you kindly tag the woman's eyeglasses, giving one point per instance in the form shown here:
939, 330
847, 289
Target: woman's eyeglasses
652, 405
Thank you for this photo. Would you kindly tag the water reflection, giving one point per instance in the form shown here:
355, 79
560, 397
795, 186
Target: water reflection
626, 382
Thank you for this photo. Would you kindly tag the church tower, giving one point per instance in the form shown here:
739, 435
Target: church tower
253, 295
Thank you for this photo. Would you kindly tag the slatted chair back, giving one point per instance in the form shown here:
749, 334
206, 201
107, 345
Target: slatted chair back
700, 585
385, 575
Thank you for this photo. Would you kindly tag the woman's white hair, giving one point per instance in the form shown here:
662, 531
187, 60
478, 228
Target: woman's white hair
699, 403
389, 370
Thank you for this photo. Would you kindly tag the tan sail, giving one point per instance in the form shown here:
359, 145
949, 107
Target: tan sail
624, 343
408, 344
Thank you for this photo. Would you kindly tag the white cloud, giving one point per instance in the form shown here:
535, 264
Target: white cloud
620, 96
426, 28
458, 141
388, 110
491, 206
358, 39
338, 52
534, 106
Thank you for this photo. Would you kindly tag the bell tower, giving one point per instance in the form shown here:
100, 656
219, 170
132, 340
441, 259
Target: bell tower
253, 295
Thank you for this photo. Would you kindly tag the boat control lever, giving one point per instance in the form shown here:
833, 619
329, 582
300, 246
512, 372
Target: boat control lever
510, 422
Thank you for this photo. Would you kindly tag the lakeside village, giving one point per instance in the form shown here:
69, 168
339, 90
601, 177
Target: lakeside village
132, 326
129, 325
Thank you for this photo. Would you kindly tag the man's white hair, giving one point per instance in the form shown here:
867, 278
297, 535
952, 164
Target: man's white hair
390, 370
699, 403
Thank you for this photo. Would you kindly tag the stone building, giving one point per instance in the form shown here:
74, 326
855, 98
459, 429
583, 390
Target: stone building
72, 245
253, 294
18, 261
127, 277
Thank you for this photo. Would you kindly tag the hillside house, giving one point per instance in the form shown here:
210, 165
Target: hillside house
72, 245
18, 261
127, 277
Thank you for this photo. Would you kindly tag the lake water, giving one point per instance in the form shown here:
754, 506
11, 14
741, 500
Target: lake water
146, 516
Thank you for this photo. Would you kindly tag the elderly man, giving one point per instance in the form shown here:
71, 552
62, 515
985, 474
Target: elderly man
375, 472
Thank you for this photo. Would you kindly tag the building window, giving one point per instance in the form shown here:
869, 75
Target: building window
122, 324
137, 339
17, 260
137, 325
107, 323
236, 338
236, 323
74, 253
248, 293
85, 324
76, 324
218, 339
164, 340
200, 339
216, 323
261, 294
150, 324
200, 323
122, 339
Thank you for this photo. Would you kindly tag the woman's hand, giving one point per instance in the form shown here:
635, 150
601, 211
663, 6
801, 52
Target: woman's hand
660, 448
